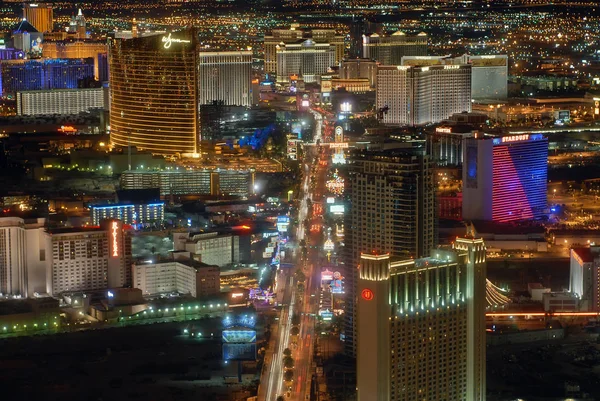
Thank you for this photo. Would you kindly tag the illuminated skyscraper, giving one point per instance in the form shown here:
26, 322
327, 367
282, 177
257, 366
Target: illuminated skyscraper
423, 95
40, 15
489, 73
421, 325
22, 256
76, 49
359, 68
21, 75
283, 37
225, 76
81, 259
391, 209
505, 179
307, 59
389, 50
154, 95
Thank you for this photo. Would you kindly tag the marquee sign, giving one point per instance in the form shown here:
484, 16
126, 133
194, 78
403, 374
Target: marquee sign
515, 138
114, 233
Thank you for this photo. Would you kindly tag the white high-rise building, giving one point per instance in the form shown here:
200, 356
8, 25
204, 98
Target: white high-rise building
391, 209
421, 325
210, 248
423, 95
294, 35
226, 77
60, 101
22, 256
308, 59
88, 258
185, 276
389, 50
489, 73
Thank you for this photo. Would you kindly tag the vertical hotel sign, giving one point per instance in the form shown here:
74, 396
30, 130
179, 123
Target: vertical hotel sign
114, 236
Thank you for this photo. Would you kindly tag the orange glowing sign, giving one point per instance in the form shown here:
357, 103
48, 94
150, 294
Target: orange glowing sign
367, 294
115, 243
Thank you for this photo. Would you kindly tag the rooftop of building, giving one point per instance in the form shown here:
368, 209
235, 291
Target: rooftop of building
492, 227
25, 26
576, 232
585, 254
177, 257
25, 305
397, 33
73, 230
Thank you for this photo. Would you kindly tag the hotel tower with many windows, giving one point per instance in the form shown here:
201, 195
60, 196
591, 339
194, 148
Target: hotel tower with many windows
505, 178
159, 82
421, 325
153, 92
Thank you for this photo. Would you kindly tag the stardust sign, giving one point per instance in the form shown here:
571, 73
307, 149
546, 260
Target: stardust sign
515, 138
168, 41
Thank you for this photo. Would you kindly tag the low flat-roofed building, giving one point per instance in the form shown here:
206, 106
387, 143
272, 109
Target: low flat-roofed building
578, 237
29, 315
184, 276
537, 291
511, 236
212, 248
560, 302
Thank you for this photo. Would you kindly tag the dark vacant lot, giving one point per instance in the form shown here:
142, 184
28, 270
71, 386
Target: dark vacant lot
149, 362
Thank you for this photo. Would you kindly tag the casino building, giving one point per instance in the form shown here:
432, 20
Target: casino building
38, 260
153, 90
159, 82
421, 325
505, 178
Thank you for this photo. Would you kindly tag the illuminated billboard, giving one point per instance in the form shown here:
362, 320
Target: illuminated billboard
326, 315
283, 223
336, 284
239, 352
326, 275
239, 336
247, 321
337, 209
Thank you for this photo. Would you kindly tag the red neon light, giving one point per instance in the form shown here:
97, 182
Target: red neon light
115, 228
367, 294
510, 200
521, 314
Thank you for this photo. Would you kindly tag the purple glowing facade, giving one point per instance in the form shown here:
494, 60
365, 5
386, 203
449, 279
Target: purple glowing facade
505, 179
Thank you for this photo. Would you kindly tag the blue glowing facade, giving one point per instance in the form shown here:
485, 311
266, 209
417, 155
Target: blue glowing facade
129, 214
505, 179
22, 75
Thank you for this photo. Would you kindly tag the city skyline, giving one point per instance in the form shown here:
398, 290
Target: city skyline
300, 200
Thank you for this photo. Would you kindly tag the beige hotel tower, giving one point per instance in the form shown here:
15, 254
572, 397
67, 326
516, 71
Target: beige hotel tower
421, 325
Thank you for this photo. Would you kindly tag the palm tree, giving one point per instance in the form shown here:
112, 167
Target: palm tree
288, 362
